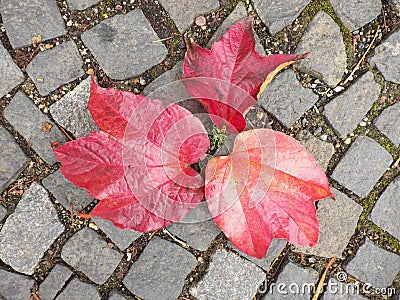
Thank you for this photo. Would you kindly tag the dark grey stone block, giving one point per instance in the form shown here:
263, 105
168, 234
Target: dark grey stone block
54, 282
160, 271
77, 290
14, 286
28, 120
21, 248
12, 75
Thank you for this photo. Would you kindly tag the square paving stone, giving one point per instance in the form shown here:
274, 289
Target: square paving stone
124, 45
55, 67
198, 228
66, 193
77, 290
71, 111
183, 12
337, 222
80, 4
386, 212
12, 158
362, 166
54, 282
27, 19
374, 265
347, 110
12, 75
28, 120
160, 271
14, 286
293, 283
87, 252
389, 123
29, 231
229, 277
3, 212
286, 98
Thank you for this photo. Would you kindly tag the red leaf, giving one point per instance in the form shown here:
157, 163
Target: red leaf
228, 78
142, 174
265, 189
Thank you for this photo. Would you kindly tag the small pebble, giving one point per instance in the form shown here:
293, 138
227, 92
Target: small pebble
347, 141
362, 123
200, 21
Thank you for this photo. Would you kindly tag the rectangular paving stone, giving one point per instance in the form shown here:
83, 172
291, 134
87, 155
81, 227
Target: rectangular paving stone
80, 4
29, 231
12, 75
3, 212
27, 19
28, 120
160, 271
66, 193
12, 158
374, 265
77, 290
362, 166
87, 252
14, 286
229, 277
389, 123
55, 67
54, 282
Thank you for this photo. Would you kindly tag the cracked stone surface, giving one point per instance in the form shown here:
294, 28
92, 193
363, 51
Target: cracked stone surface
12, 75
386, 211
277, 14
14, 286
286, 99
34, 211
374, 265
76, 289
160, 271
13, 158
389, 123
337, 223
28, 120
121, 237
229, 277
198, 228
65, 192
325, 42
130, 38
355, 13
87, 252
362, 166
55, 67
183, 12
54, 282
347, 110
80, 4
25, 20
291, 275
71, 111
337, 290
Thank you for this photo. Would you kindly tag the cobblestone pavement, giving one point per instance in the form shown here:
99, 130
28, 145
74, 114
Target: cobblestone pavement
342, 103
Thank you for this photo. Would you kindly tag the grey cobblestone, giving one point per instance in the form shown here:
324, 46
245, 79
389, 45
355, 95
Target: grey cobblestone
28, 120
389, 123
374, 265
286, 99
339, 290
71, 111
54, 282
55, 67
87, 252
129, 38
277, 14
348, 109
12, 75
80, 4
36, 212
76, 289
386, 211
115, 296
25, 20
229, 277
325, 42
160, 271
362, 166
14, 286
3, 212
13, 159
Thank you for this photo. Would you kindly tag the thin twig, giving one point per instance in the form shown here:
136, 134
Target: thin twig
322, 280
183, 244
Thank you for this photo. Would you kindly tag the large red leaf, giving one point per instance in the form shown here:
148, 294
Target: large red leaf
139, 169
265, 189
228, 78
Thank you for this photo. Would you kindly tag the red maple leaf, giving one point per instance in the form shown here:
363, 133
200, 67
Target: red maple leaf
265, 189
228, 78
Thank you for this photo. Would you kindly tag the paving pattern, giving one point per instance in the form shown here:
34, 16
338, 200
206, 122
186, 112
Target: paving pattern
342, 103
